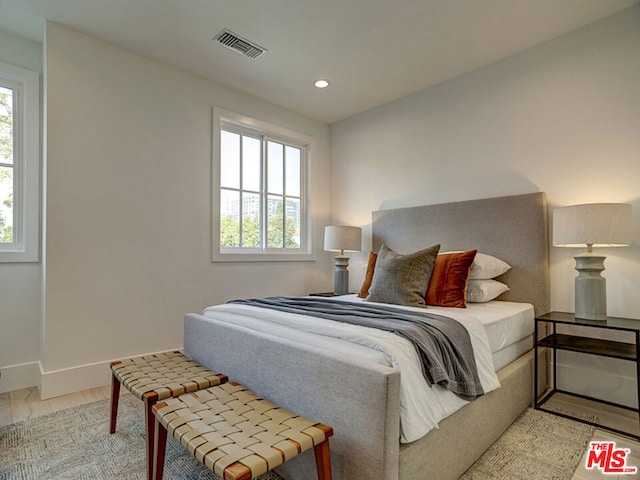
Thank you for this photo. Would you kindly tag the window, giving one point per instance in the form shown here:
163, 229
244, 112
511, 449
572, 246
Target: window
8, 133
260, 178
19, 164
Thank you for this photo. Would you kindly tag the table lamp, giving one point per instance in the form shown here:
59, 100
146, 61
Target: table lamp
593, 225
342, 239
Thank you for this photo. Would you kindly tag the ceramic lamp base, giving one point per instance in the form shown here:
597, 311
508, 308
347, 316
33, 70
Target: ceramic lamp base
591, 287
341, 276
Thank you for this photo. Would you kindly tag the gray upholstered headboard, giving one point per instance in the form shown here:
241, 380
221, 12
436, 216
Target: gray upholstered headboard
512, 228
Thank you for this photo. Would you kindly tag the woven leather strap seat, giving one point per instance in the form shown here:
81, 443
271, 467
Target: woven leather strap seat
157, 377
237, 434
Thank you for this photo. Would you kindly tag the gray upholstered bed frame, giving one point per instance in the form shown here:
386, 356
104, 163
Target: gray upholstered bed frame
361, 400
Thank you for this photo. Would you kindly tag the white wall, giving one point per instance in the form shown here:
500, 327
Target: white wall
19, 282
128, 194
563, 118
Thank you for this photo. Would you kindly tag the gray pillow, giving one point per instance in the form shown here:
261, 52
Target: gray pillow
402, 279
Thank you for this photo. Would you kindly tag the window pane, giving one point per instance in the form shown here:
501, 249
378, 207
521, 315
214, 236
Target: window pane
6, 125
251, 164
6, 205
275, 222
276, 170
6, 171
293, 223
250, 220
293, 171
229, 218
229, 159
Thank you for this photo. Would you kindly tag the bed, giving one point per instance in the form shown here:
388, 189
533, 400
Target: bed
360, 397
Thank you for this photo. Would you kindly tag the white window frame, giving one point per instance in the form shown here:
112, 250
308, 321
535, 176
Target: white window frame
26, 170
223, 117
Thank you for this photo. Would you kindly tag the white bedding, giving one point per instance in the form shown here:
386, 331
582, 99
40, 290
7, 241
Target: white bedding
505, 322
421, 407
509, 326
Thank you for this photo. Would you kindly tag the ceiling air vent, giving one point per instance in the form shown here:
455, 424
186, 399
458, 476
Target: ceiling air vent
239, 44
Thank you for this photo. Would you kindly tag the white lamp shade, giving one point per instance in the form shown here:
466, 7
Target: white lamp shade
597, 224
342, 238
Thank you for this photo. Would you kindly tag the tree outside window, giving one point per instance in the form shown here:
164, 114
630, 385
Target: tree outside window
6, 165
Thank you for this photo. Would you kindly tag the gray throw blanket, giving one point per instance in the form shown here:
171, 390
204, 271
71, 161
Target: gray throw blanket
443, 344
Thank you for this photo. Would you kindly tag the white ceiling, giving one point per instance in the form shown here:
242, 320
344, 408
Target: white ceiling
372, 51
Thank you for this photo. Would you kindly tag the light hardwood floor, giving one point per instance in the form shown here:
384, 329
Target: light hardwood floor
22, 404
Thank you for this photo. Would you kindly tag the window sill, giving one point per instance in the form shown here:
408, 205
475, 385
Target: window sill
262, 257
19, 256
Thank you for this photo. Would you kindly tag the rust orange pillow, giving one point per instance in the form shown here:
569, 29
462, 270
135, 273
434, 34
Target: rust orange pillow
448, 284
368, 277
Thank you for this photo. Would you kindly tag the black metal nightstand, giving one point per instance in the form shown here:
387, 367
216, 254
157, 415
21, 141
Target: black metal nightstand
555, 340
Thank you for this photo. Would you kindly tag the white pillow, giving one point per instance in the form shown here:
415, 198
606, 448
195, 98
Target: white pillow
487, 266
481, 291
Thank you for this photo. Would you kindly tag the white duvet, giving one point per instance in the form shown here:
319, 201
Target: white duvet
421, 407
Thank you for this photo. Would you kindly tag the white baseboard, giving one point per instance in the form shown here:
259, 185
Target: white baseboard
16, 377
82, 377
74, 379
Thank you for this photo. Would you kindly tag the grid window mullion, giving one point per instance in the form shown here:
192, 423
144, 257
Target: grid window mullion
241, 206
265, 194
284, 198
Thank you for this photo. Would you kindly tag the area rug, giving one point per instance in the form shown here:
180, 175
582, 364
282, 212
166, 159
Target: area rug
75, 444
538, 446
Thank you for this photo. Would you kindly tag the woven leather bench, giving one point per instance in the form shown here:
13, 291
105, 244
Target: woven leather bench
156, 377
237, 434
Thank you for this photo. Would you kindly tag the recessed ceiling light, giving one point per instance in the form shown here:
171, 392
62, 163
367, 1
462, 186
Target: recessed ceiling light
321, 83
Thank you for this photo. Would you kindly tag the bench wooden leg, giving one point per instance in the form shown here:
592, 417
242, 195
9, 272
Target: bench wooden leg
323, 460
323, 455
159, 445
150, 400
115, 398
